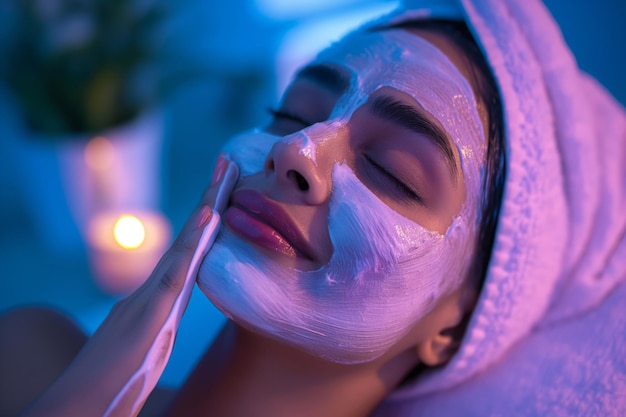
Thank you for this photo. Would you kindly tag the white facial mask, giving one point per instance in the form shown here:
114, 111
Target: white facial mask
405, 62
386, 272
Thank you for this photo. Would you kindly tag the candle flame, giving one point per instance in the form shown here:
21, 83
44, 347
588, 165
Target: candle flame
129, 232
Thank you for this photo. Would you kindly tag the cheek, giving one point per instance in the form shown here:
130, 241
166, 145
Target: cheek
382, 257
250, 149
385, 275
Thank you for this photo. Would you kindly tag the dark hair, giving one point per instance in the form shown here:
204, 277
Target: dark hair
486, 92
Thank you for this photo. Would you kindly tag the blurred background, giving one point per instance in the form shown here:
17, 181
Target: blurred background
112, 114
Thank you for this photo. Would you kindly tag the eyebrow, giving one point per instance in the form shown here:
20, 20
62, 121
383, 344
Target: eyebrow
328, 77
411, 118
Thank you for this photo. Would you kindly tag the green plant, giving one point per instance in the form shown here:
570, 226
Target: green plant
84, 65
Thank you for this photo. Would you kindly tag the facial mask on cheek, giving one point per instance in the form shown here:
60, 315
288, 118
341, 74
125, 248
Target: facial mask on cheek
250, 149
385, 274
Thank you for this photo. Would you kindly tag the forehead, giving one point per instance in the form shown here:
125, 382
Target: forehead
409, 63
397, 59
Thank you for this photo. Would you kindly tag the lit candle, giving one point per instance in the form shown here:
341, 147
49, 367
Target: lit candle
125, 247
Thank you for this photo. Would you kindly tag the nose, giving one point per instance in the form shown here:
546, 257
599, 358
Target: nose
293, 161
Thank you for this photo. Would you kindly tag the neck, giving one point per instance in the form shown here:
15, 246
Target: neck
243, 373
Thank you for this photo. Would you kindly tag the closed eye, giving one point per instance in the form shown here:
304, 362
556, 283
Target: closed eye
285, 115
401, 187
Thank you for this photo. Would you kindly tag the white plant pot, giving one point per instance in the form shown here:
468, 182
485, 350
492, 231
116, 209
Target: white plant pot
63, 191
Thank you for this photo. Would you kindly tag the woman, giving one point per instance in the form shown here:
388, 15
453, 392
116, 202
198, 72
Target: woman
346, 260
358, 236
351, 233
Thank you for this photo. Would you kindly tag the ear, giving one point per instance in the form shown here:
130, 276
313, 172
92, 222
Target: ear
441, 346
450, 320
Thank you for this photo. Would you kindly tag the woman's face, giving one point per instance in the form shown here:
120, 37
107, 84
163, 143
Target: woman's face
358, 205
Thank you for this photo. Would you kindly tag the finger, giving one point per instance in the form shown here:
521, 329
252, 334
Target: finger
181, 265
225, 176
136, 390
227, 173
171, 271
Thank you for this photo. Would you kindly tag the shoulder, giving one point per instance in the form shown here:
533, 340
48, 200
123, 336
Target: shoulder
575, 367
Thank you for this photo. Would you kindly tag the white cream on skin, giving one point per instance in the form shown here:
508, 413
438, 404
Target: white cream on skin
386, 272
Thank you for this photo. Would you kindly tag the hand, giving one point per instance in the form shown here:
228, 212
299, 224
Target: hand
121, 363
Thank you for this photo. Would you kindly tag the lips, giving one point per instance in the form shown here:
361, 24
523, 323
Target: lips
261, 221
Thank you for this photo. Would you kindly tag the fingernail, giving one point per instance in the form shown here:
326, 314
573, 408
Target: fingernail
220, 168
203, 217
